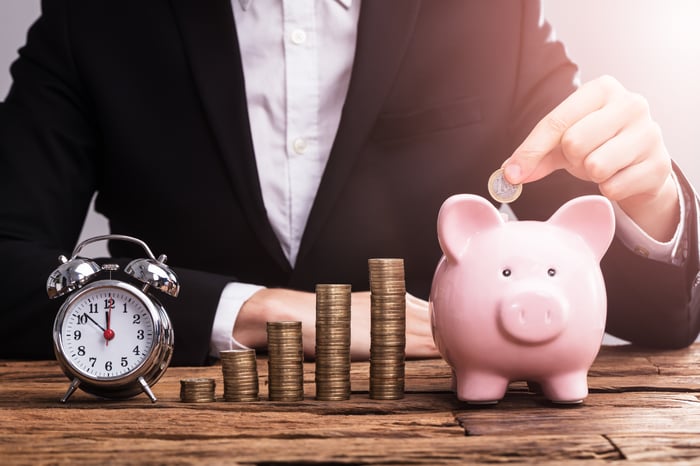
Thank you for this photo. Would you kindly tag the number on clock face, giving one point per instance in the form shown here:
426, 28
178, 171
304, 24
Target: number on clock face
107, 333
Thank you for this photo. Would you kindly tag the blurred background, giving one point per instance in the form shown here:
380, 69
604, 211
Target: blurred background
651, 46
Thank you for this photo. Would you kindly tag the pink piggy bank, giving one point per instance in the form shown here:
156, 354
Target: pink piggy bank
520, 300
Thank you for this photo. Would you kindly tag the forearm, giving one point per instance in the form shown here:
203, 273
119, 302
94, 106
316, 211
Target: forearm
276, 304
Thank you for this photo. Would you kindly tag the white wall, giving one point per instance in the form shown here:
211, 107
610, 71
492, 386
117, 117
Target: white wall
651, 46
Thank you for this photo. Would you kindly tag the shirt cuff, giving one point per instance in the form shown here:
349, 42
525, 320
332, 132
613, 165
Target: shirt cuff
644, 245
232, 299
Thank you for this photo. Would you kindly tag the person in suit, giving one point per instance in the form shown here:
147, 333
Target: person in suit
268, 146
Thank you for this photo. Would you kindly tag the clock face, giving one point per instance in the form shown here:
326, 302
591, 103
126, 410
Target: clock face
107, 332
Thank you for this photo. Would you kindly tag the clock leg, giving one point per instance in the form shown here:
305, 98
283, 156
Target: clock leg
71, 389
147, 389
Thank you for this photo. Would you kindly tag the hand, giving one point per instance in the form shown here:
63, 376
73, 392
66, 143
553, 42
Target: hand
603, 133
102, 329
109, 333
280, 304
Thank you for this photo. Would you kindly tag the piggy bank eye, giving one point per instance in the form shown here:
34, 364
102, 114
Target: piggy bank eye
506, 272
552, 272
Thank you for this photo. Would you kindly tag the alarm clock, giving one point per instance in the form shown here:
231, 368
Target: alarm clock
111, 336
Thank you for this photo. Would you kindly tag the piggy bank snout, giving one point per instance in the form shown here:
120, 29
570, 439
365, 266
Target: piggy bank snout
533, 316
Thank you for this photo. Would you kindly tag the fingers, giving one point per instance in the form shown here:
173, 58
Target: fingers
361, 324
634, 163
537, 156
605, 134
280, 304
419, 336
600, 133
617, 187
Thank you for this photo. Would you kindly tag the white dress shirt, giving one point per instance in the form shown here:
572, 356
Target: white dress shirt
297, 57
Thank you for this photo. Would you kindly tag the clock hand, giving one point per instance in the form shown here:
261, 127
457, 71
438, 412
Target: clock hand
94, 321
108, 333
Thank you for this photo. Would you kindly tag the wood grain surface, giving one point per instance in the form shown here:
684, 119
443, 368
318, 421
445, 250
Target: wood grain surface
643, 409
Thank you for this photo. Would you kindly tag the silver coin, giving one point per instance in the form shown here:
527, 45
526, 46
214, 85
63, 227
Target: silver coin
501, 190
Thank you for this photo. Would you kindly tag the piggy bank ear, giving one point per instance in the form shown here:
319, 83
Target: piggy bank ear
461, 217
590, 217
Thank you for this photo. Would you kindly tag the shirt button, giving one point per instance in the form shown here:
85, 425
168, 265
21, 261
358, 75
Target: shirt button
299, 146
298, 36
641, 251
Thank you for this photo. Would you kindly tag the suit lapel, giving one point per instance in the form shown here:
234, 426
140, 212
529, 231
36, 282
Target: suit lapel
209, 35
384, 32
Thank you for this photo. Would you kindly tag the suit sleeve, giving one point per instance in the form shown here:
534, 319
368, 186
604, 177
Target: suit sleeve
47, 177
650, 303
50, 167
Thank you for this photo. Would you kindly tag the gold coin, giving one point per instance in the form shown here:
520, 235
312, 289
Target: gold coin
501, 190
197, 390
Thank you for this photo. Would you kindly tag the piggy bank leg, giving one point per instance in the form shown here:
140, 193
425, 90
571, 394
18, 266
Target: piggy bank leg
568, 388
480, 387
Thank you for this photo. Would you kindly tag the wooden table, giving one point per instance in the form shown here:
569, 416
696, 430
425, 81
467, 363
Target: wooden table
643, 407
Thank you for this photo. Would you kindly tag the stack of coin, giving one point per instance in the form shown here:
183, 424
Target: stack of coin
286, 361
197, 390
388, 329
332, 342
240, 372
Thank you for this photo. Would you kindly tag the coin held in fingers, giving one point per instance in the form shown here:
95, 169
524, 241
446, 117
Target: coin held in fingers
501, 190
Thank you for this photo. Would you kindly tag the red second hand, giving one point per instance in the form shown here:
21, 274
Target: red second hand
109, 333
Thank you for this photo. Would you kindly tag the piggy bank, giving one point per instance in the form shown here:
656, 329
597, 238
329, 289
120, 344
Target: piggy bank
520, 300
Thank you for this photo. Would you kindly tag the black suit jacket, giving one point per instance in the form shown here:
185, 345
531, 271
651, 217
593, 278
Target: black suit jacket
144, 102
